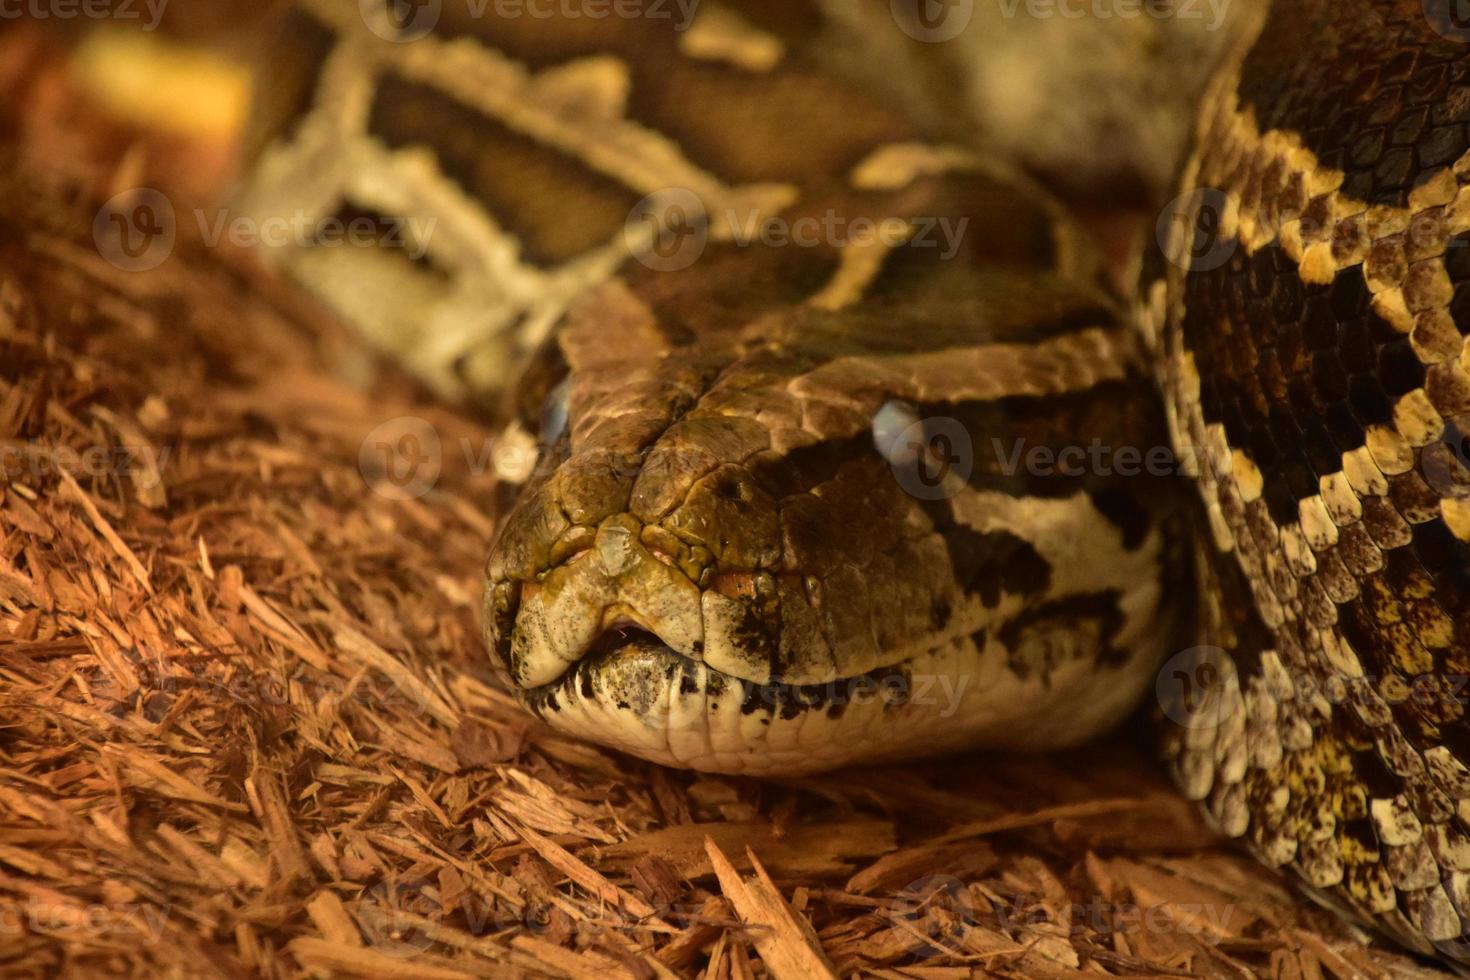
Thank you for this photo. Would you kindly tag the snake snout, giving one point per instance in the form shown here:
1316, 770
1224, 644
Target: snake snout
614, 586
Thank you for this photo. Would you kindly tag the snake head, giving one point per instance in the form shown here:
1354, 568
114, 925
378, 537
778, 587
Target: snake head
791, 544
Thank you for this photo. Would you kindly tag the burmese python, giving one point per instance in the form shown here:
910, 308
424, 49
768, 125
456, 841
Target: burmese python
800, 501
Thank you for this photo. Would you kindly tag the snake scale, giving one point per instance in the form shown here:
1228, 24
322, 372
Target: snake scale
838, 426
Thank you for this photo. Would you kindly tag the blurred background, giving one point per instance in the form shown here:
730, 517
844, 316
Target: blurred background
1095, 97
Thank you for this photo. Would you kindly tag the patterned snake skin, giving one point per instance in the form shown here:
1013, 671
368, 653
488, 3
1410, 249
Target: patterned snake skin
845, 451
1314, 359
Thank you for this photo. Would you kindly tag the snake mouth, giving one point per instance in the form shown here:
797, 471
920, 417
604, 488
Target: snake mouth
633, 692
621, 638
630, 669
613, 649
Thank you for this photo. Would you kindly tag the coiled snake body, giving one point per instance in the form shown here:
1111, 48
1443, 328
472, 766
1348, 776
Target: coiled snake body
846, 450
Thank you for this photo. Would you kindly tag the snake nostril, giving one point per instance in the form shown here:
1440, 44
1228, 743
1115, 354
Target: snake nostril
735, 585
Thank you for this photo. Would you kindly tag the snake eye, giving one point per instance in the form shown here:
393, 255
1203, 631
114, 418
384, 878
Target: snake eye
554, 413
897, 432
